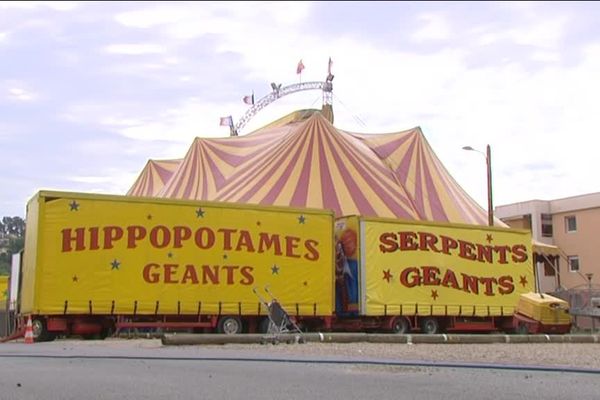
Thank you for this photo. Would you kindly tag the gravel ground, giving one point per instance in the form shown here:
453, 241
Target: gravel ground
582, 355
579, 355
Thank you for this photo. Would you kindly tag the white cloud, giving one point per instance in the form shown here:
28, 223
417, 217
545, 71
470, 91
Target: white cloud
435, 27
20, 94
3, 36
545, 34
152, 16
135, 48
191, 20
540, 123
545, 56
29, 5
90, 179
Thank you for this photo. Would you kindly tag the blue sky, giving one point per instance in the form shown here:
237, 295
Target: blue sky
90, 91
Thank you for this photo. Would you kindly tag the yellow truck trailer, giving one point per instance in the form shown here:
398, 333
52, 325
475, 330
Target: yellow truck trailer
432, 277
95, 263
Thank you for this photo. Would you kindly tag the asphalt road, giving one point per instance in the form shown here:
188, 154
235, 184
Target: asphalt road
88, 370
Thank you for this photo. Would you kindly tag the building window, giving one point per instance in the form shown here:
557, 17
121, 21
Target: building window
571, 224
547, 225
573, 263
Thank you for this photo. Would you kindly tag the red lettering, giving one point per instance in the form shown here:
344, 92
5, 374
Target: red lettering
466, 250
448, 244
506, 285
135, 233
247, 274
484, 254
519, 253
170, 270
211, 273
312, 252
291, 243
230, 270
160, 236
487, 282
410, 281
427, 241
245, 240
450, 280
470, 284
265, 242
190, 274
151, 277
68, 238
407, 241
111, 234
205, 238
388, 242
502, 252
430, 276
227, 237
180, 233
94, 242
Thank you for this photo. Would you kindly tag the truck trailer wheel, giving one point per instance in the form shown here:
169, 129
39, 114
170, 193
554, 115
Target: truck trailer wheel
40, 331
430, 325
400, 326
229, 325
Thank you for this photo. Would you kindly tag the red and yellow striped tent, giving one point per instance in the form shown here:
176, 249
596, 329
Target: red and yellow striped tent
302, 160
153, 177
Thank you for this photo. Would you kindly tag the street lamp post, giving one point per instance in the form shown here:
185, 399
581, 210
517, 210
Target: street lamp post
589, 276
488, 162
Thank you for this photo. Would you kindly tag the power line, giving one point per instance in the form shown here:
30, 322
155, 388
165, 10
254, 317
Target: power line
355, 116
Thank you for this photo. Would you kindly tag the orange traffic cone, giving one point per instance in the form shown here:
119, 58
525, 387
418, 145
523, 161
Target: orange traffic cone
29, 332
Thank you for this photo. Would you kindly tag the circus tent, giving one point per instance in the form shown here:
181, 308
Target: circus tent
153, 177
302, 160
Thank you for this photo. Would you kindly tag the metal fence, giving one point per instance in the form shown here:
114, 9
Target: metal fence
584, 306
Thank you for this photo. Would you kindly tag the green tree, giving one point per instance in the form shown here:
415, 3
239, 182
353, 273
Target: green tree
12, 236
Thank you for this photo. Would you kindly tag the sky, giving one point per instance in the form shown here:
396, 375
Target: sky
90, 91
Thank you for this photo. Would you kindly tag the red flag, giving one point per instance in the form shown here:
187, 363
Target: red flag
329, 66
226, 121
249, 99
300, 67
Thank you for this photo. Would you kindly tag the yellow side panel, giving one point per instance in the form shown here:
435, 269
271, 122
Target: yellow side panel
3, 291
27, 295
3, 288
105, 255
444, 269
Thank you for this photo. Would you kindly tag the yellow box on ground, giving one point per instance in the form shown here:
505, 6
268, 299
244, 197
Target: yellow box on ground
105, 254
422, 268
548, 310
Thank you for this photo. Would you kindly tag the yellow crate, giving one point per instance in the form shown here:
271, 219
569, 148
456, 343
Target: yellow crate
548, 310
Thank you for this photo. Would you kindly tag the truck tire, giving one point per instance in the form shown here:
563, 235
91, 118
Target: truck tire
430, 325
229, 325
40, 332
400, 326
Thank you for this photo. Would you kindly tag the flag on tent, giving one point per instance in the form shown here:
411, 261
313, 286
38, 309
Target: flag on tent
329, 66
300, 67
226, 121
249, 99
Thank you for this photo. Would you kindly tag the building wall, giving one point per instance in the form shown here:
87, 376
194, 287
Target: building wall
519, 223
584, 243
